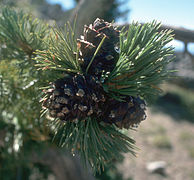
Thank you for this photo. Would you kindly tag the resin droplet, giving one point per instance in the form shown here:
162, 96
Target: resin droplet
117, 49
82, 108
80, 93
67, 92
112, 114
94, 97
75, 106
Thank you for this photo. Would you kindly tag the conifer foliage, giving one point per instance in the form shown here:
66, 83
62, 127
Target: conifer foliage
109, 74
92, 86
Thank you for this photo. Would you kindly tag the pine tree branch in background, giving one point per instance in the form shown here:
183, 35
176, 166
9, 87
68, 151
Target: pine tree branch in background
85, 10
21, 34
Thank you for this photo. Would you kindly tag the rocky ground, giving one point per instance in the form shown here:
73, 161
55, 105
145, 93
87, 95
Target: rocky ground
162, 138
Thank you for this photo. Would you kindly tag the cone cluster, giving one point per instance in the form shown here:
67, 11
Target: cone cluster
79, 96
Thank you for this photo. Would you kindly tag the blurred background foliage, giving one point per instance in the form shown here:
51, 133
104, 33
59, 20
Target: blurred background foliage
84, 11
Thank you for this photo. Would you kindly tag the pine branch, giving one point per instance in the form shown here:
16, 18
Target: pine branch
21, 34
62, 53
140, 67
142, 63
93, 141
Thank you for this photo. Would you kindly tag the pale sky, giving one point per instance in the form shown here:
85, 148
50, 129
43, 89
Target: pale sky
178, 13
170, 12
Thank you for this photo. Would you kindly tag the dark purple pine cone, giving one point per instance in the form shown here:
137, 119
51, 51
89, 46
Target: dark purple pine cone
74, 98
108, 54
124, 114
